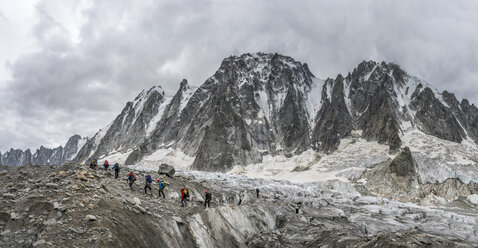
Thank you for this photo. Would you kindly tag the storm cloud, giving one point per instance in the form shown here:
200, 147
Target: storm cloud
91, 57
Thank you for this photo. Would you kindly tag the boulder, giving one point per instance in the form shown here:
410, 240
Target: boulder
39, 242
52, 185
403, 164
90, 217
9, 196
141, 209
166, 169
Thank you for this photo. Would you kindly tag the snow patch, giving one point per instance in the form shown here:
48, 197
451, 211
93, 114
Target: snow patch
170, 156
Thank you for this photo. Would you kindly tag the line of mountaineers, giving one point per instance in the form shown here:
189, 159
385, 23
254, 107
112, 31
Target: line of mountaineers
131, 178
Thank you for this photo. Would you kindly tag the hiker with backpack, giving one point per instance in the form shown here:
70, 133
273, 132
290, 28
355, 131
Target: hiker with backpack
93, 164
207, 199
116, 167
131, 179
148, 184
184, 197
106, 165
161, 185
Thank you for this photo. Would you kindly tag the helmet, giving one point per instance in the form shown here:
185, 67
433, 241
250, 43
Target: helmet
205, 192
182, 188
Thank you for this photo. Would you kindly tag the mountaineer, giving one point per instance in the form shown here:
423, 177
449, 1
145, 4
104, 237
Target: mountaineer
184, 197
116, 167
148, 184
106, 165
131, 179
161, 185
207, 199
257, 191
93, 164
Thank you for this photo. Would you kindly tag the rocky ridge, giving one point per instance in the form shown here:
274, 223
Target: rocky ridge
44, 156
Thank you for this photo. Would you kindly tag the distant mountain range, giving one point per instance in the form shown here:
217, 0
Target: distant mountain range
43, 155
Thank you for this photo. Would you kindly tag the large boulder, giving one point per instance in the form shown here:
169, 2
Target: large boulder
166, 169
404, 165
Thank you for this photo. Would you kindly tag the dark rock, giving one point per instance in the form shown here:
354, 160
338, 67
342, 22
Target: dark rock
333, 119
435, 118
9, 196
165, 169
404, 165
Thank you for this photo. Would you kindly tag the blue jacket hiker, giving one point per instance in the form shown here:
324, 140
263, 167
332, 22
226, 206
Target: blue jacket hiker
161, 185
149, 180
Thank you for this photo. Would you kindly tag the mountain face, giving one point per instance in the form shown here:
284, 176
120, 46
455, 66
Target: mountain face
43, 155
130, 128
270, 104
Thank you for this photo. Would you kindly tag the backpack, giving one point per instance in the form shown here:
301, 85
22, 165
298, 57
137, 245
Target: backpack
186, 193
132, 176
148, 179
208, 196
163, 185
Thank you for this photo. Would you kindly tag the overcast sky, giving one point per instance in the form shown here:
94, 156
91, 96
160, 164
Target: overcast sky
69, 67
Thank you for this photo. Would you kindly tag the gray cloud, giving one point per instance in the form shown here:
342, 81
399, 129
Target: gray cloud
69, 87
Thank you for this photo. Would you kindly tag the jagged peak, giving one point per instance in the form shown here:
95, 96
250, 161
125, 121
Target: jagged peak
255, 61
144, 94
370, 69
184, 85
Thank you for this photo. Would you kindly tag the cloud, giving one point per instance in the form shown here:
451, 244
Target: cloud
94, 56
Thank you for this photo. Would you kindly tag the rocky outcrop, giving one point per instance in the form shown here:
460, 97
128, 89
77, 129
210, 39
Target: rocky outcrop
378, 121
333, 119
434, 118
165, 169
466, 114
404, 165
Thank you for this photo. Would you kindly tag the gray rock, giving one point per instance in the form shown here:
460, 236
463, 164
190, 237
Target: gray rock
50, 222
129, 201
404, 164
139, 208
90, 217
5, 232
39, 242
165, 169
52, 185
14, 216
77, 230
9, 196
